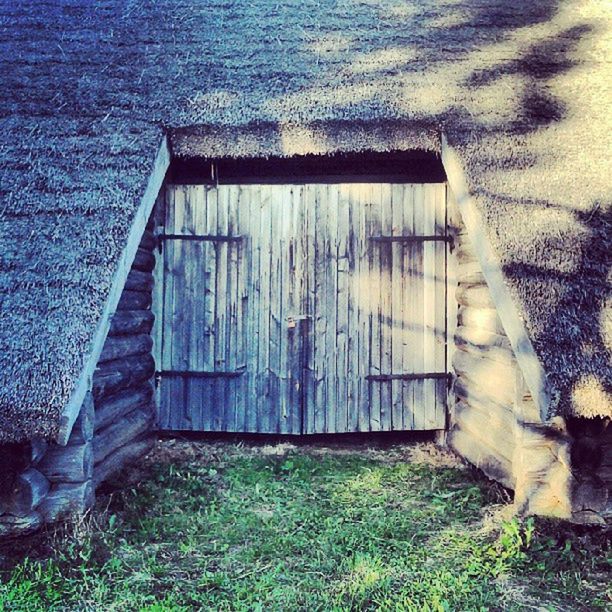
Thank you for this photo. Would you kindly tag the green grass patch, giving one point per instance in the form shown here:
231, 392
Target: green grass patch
233, 528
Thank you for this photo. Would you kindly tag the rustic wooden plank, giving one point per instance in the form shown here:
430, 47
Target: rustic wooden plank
231, 343
397, 312
243, 399
67, 463
386, 403
120, 347
407, 289
252, 224
120, 458
133, 322
116, 406
65, 500
29, 489
320, 318
418, 311
352, 357
374, 208
440, 332
263, 353
362, 306
121, 374
310, 230
280, 204
429, 305
134, 300
139, 281
342, 307
331, 310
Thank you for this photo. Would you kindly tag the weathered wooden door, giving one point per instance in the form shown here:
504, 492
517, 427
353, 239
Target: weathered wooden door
315, 308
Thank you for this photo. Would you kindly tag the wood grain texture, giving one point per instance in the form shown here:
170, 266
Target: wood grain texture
305, 306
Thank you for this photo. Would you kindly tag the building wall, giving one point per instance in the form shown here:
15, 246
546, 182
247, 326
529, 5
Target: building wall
562, 467
482, 419
43, 482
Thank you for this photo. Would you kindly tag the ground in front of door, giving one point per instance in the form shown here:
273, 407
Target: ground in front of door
236, 526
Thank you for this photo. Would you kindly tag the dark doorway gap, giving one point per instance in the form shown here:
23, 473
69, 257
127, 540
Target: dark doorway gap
369, 167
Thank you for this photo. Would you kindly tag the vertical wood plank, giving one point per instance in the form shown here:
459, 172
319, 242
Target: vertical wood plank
263, 360
387, 323
320, 318
418, 314
308, 399
342, 307
408, 298
397, 314
375, 306
364, 305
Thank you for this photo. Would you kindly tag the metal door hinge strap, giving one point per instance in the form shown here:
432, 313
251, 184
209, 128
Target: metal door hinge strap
448, 239
198, 374
200, 238
386, 377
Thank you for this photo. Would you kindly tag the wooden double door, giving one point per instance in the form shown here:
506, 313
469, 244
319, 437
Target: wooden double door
303, 308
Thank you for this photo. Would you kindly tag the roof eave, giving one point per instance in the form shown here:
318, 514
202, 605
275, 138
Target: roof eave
531, 367
84, 383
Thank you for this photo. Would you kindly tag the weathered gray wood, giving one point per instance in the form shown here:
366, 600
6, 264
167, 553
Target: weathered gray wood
67, 463
119, 433
29, 490
121, 347
480, 318
514, 326
134, 300
114, 376
502, 356
148, 241
480, 454
480, 339
144, 260
120, 458
19, 526
131, 322
114, 407
476, 296
305, 254
470, 273
138, 280
66, 500
493, 426
82, 431
491, 377
474, 395
139, 223
38, 448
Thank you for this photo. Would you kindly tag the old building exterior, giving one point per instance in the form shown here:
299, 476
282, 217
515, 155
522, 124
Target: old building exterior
472, 297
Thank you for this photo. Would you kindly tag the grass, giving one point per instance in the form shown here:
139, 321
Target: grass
229, 527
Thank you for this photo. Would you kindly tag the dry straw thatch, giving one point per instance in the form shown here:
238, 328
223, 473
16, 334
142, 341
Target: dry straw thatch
520, 89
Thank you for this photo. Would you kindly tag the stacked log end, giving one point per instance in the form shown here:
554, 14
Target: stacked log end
43, 482
123, 382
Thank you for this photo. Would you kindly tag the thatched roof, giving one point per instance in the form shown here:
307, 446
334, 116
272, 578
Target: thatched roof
520, 89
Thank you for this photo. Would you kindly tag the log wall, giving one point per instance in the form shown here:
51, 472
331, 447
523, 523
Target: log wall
43, 482
561, 467
483, 419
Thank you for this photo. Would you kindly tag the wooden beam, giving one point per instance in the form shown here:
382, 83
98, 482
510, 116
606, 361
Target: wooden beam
526, 356
84, 384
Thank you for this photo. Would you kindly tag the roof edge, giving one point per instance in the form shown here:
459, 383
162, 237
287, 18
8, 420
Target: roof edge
526, 357
84, 383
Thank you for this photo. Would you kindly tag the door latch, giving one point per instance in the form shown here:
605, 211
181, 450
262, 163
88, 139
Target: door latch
293, 320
